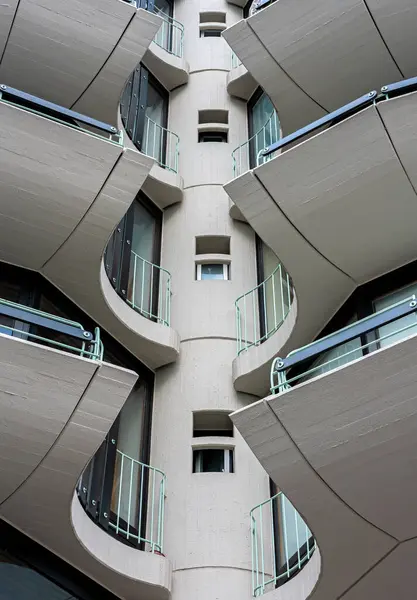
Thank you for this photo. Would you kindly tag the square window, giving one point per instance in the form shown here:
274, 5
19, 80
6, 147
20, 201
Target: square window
212, 271
213, 460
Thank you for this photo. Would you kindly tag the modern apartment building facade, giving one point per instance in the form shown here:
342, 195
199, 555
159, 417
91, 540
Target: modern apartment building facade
207, 299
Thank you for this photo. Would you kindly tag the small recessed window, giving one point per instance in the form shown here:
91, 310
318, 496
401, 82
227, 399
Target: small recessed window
212, 136
211, 32
212, 271
213, 17
212, 244
209, 423
213, 460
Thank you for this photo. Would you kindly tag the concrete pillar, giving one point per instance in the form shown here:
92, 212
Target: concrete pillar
207, 528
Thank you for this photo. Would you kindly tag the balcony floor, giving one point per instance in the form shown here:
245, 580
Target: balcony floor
343, 448
338, 209
312, 58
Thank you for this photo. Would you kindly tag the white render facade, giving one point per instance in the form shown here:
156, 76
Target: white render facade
192, 194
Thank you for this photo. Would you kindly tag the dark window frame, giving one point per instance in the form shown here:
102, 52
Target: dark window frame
117, 265
204, 137
134, 102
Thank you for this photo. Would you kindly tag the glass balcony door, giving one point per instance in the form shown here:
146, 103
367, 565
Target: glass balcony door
144, 112
131, 254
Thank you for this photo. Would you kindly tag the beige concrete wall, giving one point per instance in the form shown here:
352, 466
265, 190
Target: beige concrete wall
207, 528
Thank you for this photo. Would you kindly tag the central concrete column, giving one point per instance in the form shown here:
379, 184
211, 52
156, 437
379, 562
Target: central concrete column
207, 527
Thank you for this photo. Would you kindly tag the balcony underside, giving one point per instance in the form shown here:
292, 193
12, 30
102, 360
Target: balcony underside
338, 209
311, 59
62, 192
56, 409
172, 71
344, 445
75, 54
240, 83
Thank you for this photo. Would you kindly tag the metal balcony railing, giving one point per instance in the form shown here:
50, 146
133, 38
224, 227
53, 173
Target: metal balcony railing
161, 144
170, 36
43, 328
391, 90
125, 497
150, 290
235, 61
281, 543
261, 311
139, 495
55, 112
249, 154
351, 343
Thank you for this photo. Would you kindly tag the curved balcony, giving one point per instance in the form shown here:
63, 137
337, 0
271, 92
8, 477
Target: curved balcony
282, 544
312, 58
248, 155
165, 55
163, 185
66, 182
240, 82
261, 311
148, 287
127, 502
335, 176
76, 55
65, 399
339, 434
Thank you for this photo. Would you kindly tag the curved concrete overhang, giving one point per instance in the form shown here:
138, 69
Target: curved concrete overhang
62, 192
75, 54
240, 83
164, 187
170, 70
56, 409
312, 58
342, 447
326, 208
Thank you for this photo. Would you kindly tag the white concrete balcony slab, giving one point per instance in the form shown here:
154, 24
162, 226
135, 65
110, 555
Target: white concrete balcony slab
240, 82
338, 209
74, 53
63, 190
55, 410
312, 57
341, 445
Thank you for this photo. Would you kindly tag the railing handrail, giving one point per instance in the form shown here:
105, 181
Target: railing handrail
259, 293
393, 89
151, 264
41, 105
162, 131
172, 47
33, 316
163, 309
350, 332
260, 130
265, 570
277, 269
145, 504
142, 464
235, 59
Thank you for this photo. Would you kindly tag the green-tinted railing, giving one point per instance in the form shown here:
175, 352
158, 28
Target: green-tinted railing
247, 155
281, 543
161, 144
235, 61
261, 311
170, 36
139, 498
22, 318
347, 351
150, 290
